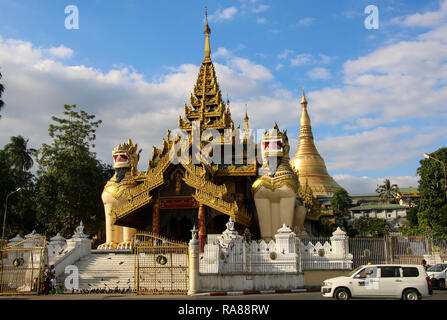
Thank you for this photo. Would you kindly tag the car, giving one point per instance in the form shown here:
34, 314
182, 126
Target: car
437, 274
406, 281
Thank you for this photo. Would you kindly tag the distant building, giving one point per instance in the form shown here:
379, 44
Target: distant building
408, 196
394, 214
370, 205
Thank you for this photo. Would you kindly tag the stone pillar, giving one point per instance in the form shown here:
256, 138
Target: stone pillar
202, 226
156, 218
56, 245
81, 241
338, 243
194, 247
285, 240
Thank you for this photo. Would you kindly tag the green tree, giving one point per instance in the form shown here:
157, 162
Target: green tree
20, 216
412, 216
341, 202
2, 88
432, 213
387, 191
19, 153
367, 226
70, 178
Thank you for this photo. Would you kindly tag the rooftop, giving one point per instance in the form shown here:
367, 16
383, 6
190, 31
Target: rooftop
381, 206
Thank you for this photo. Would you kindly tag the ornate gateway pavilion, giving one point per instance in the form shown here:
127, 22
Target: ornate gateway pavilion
208, 170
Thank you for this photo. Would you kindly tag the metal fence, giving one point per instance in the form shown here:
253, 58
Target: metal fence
366, 250
22, 266
161, 265
315, 251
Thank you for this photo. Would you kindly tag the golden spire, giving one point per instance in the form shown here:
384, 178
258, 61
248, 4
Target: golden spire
207, 32
246, 120
307, 162
207, 104
303, 100
305, 119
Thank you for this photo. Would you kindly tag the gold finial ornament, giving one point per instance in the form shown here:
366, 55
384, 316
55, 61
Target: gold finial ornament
246, 120
305, 119
303, 100
207, 32
307, 162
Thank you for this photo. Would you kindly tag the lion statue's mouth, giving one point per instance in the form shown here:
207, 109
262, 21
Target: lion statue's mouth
120, 158
273, 147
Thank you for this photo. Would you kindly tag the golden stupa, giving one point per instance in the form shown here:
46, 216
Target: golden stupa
308, 163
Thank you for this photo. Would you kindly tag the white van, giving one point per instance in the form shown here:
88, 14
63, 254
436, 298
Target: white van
437, 274
408, 282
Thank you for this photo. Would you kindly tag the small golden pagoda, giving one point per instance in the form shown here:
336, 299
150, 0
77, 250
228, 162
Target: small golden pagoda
307, 162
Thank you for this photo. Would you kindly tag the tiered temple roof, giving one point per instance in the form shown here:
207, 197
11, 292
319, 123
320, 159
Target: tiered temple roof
206, 104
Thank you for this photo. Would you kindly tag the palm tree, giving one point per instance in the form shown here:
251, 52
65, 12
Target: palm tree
19, 153
387, 191
1, 92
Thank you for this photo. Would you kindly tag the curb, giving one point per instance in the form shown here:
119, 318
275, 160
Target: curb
249, 292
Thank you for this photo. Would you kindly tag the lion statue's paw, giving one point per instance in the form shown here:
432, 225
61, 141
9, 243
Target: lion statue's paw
125, 245
107, 246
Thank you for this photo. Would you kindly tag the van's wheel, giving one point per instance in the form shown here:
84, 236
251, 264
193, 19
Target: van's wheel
441, 283
342, 294
410, 294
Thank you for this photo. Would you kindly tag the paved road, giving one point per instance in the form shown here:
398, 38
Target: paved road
437, 295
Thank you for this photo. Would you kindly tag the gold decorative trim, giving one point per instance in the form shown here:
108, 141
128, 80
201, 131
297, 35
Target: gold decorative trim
202, 184
131, 206
275, 183
232, 170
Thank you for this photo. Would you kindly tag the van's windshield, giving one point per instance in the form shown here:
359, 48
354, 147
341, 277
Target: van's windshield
437, 268
353, 272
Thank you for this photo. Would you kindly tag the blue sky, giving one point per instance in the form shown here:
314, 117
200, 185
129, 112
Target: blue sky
376, 97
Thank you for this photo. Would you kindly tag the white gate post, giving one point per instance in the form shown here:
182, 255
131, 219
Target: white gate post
194, 248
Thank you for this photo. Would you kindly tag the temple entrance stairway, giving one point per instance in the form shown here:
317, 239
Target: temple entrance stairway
106, 270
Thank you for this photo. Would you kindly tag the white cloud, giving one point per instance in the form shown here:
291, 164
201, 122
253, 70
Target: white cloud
306, 58
61, 52
308, 21
319, 74
301, 59
365, 184
285, 54
427, 19
261, 20
261, 8
379, 148
251, 70
224, 14
221, 52
326, 59
351, 14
